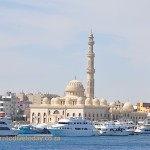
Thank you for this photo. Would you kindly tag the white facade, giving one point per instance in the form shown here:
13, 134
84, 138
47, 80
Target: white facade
76, 103
90, 69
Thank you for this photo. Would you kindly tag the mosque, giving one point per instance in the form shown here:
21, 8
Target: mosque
77, 102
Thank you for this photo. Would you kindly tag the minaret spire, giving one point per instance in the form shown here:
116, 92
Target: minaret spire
90, 68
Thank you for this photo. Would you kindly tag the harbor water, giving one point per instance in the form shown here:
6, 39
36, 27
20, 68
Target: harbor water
47, 142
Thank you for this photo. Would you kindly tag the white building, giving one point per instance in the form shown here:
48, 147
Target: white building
78, 103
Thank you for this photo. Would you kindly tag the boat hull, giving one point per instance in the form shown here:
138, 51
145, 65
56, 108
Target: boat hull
57, 132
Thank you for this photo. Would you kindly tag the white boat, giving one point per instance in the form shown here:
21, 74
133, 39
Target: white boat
143, 127
41, 128
110, 129
74, 126
6, 127
129, 125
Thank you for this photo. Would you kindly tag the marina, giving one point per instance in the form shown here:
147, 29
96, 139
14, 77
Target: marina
77, 127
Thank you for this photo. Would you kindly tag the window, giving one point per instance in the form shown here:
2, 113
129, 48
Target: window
4, 128
56, 112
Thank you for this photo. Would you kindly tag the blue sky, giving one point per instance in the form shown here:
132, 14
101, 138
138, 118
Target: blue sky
44, 45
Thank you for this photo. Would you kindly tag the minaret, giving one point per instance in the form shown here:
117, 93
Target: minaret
90, 69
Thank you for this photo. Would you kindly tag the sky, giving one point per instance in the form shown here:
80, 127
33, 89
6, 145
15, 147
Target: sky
44, 43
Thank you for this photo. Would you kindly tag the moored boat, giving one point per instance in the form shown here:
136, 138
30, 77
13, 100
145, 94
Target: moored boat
6, 127
110, 129
74, 126
143, 127
27, 129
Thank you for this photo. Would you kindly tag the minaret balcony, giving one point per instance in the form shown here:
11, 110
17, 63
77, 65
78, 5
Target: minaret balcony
89, 70
91, 43
90, 54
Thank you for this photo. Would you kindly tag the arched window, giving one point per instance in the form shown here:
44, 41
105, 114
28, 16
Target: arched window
113, 117
39, 118
116, 116
62, 112
49, 112
56, 112
32, 120
44, 120
67, 114
73, 114
79, 114
33, 114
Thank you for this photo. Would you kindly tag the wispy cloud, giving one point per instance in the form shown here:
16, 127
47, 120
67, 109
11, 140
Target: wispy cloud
54, 28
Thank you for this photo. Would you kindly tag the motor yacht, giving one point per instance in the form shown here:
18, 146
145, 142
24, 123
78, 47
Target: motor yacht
110, 129
6, 127
73, 126
143, 127
129, 125
27, 129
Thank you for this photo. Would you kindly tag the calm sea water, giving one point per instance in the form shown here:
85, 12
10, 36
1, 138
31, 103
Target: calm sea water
45, 142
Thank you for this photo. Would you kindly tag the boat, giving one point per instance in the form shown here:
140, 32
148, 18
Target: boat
109, 128
6, 127
73, 126
143, 127
27, 129
129, 125
41, 128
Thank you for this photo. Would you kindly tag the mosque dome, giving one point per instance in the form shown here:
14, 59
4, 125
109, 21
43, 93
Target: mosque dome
68, 101
112, 104
88, 101
80, 101
103, 102
96, 102
52, 100
57, 101
128, 107
74, 88
45, 100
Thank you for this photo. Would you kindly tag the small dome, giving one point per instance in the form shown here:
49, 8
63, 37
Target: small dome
112, 104
96, 102
74, 88
88, 101
57, 101
103, 102
52, 100
128, 106
68, 101
80, 101
45, 100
